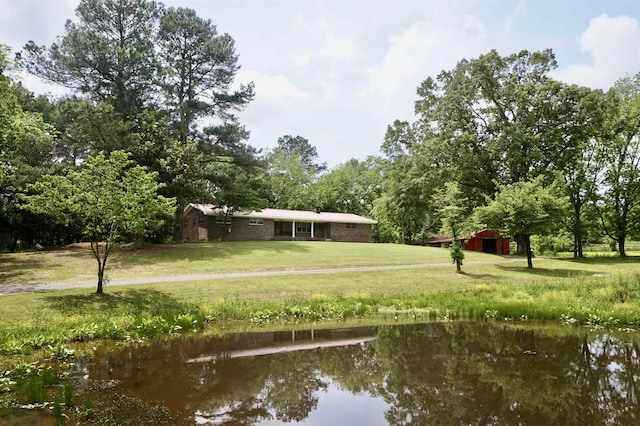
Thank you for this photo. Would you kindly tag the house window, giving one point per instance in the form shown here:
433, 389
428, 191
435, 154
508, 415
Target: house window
256, 222
201, 220
303, 227
351, 226
223, 220
193, 222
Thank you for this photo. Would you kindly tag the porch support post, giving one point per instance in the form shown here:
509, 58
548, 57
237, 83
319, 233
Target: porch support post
312, 229
293, 229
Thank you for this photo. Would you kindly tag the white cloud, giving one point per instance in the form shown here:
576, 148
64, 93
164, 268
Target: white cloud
273, 87
37, 20
424, 49
278, 105
614, 49
340, 48
505, 35
406, 54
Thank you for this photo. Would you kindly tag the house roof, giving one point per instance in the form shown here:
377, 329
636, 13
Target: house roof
279, 214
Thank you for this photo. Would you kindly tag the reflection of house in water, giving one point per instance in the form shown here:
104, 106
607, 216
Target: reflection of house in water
269, 343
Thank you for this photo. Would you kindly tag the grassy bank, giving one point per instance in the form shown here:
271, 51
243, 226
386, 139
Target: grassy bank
602, 290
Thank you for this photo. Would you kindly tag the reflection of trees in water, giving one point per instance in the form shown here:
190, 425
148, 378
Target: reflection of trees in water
491, 374
284, 387
609, 398
439, 373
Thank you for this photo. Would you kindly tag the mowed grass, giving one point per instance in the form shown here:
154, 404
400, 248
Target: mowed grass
76, 262
596, 290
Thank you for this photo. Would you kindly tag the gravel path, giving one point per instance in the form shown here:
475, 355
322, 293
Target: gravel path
29, 288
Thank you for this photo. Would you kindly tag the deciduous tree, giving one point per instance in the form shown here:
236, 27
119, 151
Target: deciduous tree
619, 205
523, 209
109, 197
289, 181
454, 214
406, 195
499, 120
351, 187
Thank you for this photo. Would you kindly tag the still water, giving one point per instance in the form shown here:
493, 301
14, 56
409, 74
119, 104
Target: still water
453, 373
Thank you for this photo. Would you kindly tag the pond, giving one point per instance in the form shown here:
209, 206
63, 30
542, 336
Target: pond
444, 373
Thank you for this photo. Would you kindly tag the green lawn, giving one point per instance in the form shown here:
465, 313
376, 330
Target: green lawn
76, 263
598, 290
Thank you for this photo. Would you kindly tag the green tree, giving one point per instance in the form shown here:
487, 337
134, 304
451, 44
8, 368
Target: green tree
109, 197
351, 187
108, 54
289, 181
9, 109
619, 157
26, 153
454, 215
523, 209
163, 72
87, 128
583, 112
300, 147
406, 200
499, 120
199, 67
216, 168
291, 173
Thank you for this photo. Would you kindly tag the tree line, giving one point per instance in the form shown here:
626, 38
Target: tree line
496, 141
530, 155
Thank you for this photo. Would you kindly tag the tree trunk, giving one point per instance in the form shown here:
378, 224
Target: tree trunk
527, 244
521, 244
100, 277
458, 267
577, 244
178, 223
577, 234
621, 249
102, 261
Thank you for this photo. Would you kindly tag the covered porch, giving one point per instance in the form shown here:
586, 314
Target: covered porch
299, 230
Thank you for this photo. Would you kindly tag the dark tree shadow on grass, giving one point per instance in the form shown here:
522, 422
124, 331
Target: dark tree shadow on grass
544, 272
12, 267
132, 302
194, 251
604, 260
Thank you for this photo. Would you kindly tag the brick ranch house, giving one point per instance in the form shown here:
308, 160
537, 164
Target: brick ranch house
205, 222
485, 241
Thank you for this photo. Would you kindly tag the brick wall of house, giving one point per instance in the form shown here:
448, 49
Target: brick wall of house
241, 230
216, 230
198, 227
340, 232
195, 226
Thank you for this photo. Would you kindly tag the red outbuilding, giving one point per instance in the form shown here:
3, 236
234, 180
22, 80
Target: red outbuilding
486, 241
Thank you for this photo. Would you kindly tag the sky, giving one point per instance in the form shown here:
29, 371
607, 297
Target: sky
338, 72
